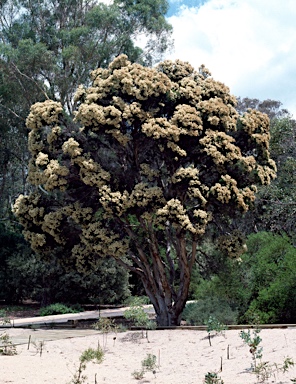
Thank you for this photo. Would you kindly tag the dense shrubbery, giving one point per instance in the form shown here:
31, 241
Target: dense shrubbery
260, 288
199, 312
58, 309
273, 284
24, 276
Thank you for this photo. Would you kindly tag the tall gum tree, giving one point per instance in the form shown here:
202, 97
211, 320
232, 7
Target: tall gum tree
152, 157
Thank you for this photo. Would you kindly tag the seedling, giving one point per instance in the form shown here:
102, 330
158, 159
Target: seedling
88, 355
106, 326
139, 317
253, 342
138, 375
212, 378
4, 319
264, 370
214, 325
39, 346
148, 364
6, 347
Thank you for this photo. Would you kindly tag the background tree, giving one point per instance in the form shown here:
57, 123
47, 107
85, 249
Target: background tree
152, 157
275, 206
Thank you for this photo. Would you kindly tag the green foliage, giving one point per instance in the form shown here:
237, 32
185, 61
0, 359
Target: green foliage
90, 354
149, 363
138, 375
7, 348
265, 370
212, 378
25, 275
199, 312
214, 325
57, 309
260, 288
14, 259
253, 341
137, 314
3, 317
272, 281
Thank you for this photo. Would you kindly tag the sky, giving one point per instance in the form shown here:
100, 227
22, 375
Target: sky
250, 45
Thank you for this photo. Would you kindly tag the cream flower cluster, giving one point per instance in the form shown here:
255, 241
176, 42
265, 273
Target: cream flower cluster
97, 116
217, 113
220, 147
117, 203
54, 134
102, 241
46, 113
195, 188
131, 79
54, 176
148, 172
27, 209
188, 120
175, 212
229, 190
71, 147
176, 70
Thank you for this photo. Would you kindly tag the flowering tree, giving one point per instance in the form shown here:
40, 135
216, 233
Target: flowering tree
151, 158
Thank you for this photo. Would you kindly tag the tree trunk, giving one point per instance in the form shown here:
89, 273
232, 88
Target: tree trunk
168, 312
166, 289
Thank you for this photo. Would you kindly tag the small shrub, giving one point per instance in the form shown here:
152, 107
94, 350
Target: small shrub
136, 313
265, 370
88, 355
138, 375
198, 312
138, 316
3, 317
6, 347
212, 378
106, 325
253, 341
149, 363
214, 325
57, 309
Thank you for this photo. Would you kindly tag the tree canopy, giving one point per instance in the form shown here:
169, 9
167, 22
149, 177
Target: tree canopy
48, 48
153, 157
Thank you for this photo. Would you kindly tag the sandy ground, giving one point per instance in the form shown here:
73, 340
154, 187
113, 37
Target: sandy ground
183, 356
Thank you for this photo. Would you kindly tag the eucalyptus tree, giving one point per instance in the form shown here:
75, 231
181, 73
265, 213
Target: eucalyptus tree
153, 157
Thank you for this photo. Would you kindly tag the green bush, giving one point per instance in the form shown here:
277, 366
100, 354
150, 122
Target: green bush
57, 309
199, 312
273, 285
